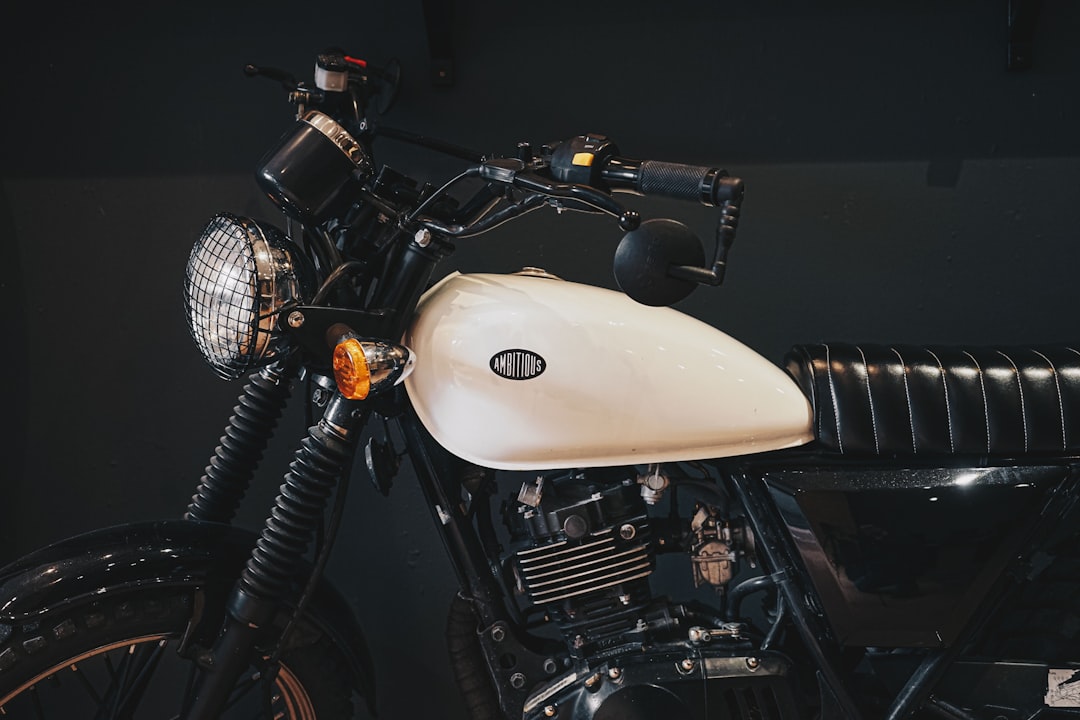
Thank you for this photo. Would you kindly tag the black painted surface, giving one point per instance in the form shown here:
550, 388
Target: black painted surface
903, 559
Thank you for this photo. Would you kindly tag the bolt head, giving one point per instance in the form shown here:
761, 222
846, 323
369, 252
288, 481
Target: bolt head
498, 633
752, 662
296, 319
614, 673
687, 664
550, 711
517, 681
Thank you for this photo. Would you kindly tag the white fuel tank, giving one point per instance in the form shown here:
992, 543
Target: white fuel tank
524, 372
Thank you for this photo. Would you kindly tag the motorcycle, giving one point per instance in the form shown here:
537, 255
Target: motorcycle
869, 531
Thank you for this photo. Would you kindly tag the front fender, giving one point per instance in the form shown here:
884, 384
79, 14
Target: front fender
182, 553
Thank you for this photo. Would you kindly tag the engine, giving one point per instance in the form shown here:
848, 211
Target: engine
583, 551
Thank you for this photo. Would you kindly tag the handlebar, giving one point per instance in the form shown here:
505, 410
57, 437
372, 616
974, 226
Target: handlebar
594, 160
586, 169
539, 191
708, 185
662, 259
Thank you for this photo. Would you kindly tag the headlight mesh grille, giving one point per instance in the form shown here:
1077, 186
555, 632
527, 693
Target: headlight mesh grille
221, 297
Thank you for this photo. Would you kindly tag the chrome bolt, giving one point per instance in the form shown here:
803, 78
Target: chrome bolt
614, 673
296, 319
627, 531
550, 711
517, 681
593, 680
498, 633
422, 237
687, 665
550, 666
752, 663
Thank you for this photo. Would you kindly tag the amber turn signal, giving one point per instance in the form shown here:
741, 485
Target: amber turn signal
362, 367
351, 369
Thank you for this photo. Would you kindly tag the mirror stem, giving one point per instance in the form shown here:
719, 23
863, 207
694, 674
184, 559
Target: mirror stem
725, 237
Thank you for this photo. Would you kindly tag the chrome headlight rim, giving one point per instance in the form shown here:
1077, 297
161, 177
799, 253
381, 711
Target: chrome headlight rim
241, 274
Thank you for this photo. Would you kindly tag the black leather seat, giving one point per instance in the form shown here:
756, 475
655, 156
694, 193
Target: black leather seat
878, 399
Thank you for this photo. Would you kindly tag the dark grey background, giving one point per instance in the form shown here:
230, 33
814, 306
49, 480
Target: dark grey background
903, 185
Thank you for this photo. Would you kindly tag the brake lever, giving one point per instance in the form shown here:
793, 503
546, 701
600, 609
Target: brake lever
515, 173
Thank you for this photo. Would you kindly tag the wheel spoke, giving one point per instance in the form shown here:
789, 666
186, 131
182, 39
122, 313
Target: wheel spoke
133, 695
242, 689
119, 678
38, 710
133, 670
189, 688
110, 668
87, 685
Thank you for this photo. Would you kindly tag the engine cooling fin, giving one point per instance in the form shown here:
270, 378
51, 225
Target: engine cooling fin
565, 569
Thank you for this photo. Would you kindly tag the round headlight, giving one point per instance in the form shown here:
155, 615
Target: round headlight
239, 276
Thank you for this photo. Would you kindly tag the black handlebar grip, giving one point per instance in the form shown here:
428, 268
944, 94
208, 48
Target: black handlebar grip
685, 182
707, 185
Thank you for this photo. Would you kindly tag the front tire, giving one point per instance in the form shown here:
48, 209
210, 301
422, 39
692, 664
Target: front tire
115, 656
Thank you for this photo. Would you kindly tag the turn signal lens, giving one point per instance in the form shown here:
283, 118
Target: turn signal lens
362, 367
351, 369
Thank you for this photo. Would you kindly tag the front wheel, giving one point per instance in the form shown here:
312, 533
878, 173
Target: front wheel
116, 657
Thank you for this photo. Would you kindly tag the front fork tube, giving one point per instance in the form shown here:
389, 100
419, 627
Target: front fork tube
256, 414
267, 580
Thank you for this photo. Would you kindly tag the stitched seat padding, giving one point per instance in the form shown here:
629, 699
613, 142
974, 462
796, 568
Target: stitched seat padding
920, 400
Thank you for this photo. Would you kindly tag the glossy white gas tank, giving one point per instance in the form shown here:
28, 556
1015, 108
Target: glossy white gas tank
520, 372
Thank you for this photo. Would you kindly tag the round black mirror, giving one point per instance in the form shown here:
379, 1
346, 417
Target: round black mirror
644, 256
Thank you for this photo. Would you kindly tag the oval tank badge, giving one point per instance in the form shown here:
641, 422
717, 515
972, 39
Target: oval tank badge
517, 364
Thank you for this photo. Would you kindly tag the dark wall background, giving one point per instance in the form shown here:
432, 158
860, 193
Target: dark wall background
904, 186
